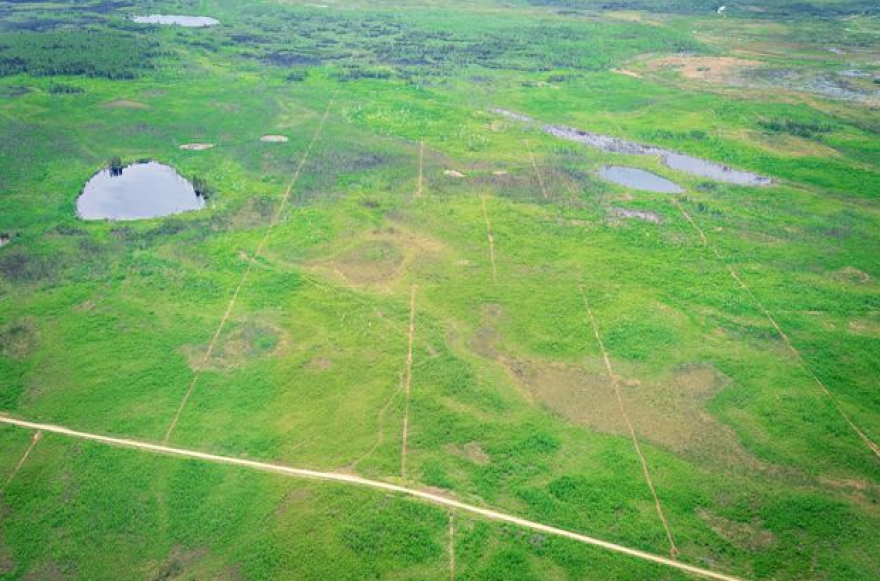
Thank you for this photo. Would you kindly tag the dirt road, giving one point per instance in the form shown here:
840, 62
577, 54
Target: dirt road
352, 480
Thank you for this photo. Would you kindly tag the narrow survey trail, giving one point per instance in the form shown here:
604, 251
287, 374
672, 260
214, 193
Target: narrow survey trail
34, 440
491, 240
407, 382
673, 550
451, 546
871, 445
535, 167
251, 261
421, 184
349, 479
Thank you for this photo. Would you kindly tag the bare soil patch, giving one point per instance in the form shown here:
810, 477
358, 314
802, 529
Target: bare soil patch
371, 262
453, 174
274, 139
636, 215
713, 69
669, 410
865, 327
472, 451
851, 275
124, 104
196, 146
319, 365
5, 239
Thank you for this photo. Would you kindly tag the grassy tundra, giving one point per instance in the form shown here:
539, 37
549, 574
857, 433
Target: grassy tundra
404, 217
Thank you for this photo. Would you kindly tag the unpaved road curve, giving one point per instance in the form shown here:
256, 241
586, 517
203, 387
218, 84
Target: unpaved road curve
374, 484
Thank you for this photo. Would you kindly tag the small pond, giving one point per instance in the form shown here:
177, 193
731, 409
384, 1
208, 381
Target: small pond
139, 191
639, 179
177, 19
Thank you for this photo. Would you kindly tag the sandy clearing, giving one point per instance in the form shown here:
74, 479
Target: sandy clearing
626, 73
871, 445
253, 258
38, 435
407, 382
673, 550
454, 174
491, 240
274, 139
429, 497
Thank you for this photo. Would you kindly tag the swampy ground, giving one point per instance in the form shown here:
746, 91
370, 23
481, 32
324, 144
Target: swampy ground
417, 290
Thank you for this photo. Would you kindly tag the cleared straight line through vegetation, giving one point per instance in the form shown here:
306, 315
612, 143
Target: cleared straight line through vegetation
872, 446
251, 260
407, 381
535, 167
451, 546
673, 550
36, 438
420, 187
377, 485
491, 239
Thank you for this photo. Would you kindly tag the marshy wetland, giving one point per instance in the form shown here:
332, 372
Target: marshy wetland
637, 302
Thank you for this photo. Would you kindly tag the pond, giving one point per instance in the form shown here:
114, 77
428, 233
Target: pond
678, 161
639, 179
137, 192
176, 19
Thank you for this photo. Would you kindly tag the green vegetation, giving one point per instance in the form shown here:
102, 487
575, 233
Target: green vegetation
104, 325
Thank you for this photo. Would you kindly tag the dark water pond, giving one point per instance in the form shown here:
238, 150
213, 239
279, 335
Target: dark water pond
143, 190
177, 19
639, 179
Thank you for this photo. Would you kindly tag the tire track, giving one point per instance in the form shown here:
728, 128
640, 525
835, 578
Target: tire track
407, 382
673, 550
251, 261
423, 495
491, 239
38, 435
870, 444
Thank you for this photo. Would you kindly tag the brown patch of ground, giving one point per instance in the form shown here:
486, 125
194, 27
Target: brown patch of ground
371, 262
636, 214
124, 104
18, 339
712, 69
471, 451
380, 257
274, 139
49, 571
5, 239
626, 73
668, 410
242, 342
196, 146
453, 174
319, 365
865, 327
851, 275
748, 536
